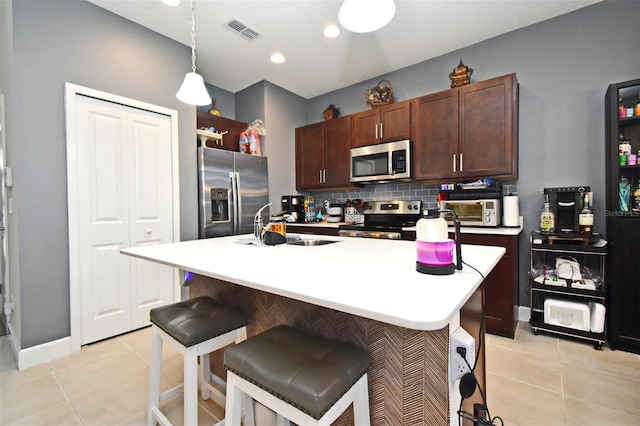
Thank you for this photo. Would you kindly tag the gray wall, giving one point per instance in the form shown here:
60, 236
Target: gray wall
281, 111
284, 111
564, 66
76, 42
225, 101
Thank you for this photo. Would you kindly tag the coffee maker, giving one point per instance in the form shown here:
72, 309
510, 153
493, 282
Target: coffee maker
294, 205
565, 203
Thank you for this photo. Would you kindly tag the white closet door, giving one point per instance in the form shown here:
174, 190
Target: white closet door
124, 199
150, 210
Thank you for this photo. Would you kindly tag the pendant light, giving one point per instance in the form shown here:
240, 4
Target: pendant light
193, 90
364, 16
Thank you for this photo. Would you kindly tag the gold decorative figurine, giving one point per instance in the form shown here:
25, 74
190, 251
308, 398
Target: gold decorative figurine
214, 110
460, 75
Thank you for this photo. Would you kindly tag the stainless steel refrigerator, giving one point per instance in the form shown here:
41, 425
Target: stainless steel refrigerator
232, 187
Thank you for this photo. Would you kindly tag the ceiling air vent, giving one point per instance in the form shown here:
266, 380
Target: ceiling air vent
242, 29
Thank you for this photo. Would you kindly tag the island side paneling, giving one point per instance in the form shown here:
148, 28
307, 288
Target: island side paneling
408, 375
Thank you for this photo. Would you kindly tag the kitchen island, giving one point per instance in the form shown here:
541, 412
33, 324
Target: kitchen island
366, 292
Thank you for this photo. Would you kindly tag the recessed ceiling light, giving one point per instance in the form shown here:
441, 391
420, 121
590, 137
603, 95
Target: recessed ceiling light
277, 58
331, 31
172, 2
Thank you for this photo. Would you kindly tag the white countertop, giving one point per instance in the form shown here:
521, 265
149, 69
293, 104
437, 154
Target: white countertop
371, 278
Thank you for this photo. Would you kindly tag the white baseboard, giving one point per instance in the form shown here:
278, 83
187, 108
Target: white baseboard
39, 354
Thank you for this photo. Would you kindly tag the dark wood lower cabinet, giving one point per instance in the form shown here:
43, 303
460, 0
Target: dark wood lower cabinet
501, 290
623, 283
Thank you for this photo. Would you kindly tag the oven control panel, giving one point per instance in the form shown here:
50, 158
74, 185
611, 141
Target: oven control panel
393, 207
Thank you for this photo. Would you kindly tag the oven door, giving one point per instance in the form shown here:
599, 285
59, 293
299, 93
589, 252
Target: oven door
369, 166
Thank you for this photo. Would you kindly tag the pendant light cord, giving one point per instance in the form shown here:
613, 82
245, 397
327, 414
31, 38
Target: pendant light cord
193, 35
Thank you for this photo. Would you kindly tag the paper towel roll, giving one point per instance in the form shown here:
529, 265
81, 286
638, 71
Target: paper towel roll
511, 211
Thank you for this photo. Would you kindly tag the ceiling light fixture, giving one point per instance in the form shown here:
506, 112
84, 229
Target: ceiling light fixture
277, 58
172, 2
193, 90
364, 16
331, 31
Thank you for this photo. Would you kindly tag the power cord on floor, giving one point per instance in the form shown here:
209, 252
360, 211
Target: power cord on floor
469, 381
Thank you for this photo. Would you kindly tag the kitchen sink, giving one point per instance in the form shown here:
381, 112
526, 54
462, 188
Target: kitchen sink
311, 242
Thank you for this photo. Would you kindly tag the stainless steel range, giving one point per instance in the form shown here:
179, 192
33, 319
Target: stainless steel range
385, 219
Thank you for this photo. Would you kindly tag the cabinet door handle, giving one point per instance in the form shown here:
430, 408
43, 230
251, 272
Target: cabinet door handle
376, 131
320, 177
324, 176
454, 163
460, 162
381, 131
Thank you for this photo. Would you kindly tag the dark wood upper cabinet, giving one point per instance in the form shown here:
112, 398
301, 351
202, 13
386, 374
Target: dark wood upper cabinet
230, 140
381, 124
467, 132
322, 155
435, 135
337, 134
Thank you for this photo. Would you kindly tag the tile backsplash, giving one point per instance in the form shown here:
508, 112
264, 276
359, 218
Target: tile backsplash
392, 191
383, 192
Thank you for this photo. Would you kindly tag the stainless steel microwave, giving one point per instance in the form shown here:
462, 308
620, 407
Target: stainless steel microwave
473, 212
382, 162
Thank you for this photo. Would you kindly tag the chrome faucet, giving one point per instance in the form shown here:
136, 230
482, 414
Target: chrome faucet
258, 225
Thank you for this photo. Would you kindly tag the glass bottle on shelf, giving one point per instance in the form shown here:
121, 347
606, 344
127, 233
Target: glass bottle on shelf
636, 111
547, 218
624, 149
636, 198
624, 191
585, 217
622, 111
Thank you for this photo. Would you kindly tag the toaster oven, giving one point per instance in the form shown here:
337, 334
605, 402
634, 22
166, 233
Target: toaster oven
483, 212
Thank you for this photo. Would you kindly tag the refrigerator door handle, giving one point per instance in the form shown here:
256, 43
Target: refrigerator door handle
235, 201
238, 204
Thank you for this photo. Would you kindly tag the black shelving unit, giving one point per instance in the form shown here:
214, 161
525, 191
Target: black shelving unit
591, 258
622, 227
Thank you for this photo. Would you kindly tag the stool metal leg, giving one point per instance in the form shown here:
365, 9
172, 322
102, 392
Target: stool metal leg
361, 414
233, 405
154, 376
191, 386
204, 376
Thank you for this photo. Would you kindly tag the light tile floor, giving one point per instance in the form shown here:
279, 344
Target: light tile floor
531, 380
545, 380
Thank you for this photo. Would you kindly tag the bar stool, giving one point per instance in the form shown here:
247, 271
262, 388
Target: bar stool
304, 379
195, 328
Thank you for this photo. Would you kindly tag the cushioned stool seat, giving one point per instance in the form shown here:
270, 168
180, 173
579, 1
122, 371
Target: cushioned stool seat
195, 328
310, 374
195, 320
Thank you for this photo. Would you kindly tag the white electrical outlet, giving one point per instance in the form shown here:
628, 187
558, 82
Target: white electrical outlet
460, 338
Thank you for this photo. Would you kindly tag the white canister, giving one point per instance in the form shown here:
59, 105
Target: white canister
432, 230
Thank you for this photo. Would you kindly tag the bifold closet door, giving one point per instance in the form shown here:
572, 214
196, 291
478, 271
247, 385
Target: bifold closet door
124, 200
